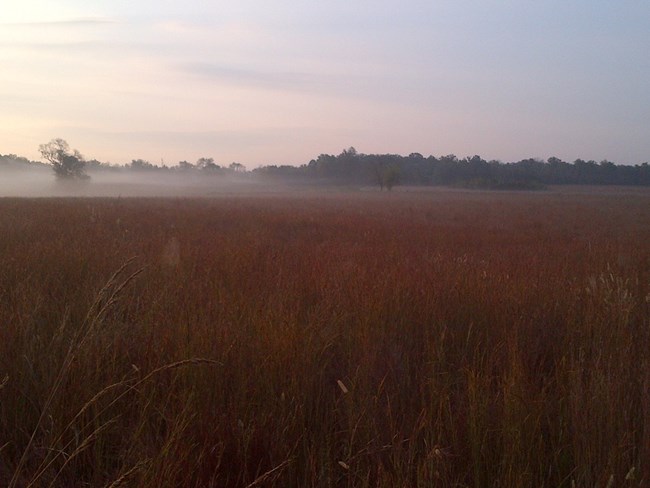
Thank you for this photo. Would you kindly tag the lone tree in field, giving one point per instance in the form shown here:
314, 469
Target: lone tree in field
387, 175
67, 164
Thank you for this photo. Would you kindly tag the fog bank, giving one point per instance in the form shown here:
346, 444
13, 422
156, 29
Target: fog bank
41, 182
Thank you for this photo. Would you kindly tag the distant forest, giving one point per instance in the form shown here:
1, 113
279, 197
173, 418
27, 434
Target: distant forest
388, 170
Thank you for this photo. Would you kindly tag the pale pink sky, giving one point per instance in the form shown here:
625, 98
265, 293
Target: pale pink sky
261, 82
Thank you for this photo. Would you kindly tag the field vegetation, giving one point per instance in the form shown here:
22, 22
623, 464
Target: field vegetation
426, 338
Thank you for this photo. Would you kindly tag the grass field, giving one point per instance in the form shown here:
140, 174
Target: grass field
362, 339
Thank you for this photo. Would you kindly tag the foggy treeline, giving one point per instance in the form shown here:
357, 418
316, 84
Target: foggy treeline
382, 170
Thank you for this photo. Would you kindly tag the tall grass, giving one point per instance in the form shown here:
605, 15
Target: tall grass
425, 339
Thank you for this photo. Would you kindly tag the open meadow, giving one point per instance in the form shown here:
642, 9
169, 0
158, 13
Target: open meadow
403, 339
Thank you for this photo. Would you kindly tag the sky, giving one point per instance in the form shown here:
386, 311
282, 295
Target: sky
280, 82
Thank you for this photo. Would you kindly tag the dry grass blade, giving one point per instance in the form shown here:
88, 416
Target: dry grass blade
106, 298
85, 444
177, 364
270, 474
76, 343
124, 478
129, 387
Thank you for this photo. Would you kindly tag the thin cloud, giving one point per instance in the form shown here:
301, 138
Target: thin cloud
259, 135
357, 86
80, 22
283, 80
94, 47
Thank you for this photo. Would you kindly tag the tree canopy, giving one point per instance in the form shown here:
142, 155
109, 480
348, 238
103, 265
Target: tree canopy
67, 164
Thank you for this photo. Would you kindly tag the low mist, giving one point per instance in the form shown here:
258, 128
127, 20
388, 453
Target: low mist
41, 182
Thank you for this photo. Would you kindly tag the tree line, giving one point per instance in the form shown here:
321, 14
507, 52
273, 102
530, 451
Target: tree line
383, 170
387, 170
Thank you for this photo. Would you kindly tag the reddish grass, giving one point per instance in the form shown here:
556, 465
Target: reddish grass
414, 339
